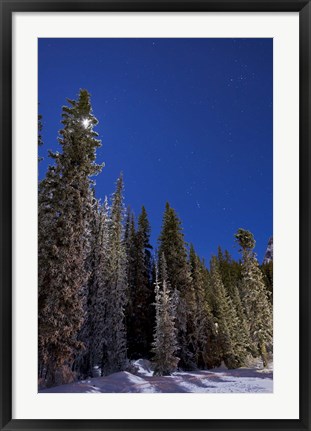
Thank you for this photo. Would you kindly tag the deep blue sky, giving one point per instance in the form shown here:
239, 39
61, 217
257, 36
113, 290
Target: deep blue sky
188, 121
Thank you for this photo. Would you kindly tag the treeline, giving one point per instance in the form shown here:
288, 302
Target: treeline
106, 297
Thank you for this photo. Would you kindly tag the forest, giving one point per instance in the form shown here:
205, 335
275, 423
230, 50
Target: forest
107, 296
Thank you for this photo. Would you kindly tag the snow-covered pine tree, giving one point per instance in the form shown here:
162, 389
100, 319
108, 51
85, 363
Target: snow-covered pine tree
172, 245
210, 350
200, 322
192, 305
114, 354
230, 272
100, 292
83, 364
142, 294
130, 247
255, 298
46, 234
165, 335
226, 321
220, 308
64, 214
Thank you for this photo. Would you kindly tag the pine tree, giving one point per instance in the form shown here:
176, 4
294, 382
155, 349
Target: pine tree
192, 305
257, 307
84, 361
100, 294
114, 353
231, 344
130, 247
172, 245
165, 340
63, 243
46, 256
230, 272
200, 324
142, 293
221, 312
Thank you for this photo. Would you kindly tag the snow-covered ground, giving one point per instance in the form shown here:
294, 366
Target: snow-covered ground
219, 380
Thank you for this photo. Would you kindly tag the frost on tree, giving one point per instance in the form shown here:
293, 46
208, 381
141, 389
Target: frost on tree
200, 320
64, 216
165, 335
258, 309
140, 312
113, 339
92, 330
172, 246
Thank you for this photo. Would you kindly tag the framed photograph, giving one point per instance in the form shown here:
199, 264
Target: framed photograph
155, 215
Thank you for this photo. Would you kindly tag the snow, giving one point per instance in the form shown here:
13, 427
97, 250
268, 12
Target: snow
221, 380
227, 384
269, 252
143, 367
140, 383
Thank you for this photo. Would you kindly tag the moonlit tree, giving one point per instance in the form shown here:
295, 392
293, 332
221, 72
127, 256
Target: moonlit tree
65, 207
255, 297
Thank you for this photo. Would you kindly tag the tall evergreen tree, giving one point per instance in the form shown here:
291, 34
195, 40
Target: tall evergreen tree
100, 292
64, 216
221, 313
114, 353
172, 245
165, 340
192, 304
200, 322
230, 272
211, 354
142, 293
130, 247
84, 360
231, 345
257, 306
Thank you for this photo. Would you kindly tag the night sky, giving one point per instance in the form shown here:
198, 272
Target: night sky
188, 121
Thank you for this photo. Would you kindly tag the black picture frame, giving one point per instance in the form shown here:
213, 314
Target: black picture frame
7, 9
